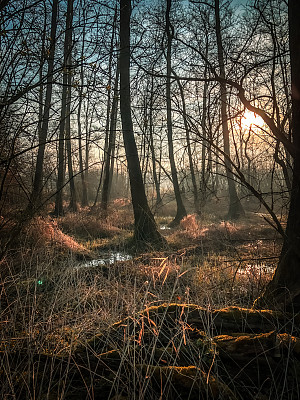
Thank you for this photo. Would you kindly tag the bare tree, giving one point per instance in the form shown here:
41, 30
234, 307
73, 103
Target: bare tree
109, 160
151, 142
181, 212
189, 149
64, 127
284, 288
84, 197
35, 197
145, 230
235, 206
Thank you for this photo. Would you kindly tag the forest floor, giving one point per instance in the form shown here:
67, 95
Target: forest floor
85, 317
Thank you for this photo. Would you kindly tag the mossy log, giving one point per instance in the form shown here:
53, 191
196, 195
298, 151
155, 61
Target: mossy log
189, 382
181, 349
271, 344
265, 350
161, 320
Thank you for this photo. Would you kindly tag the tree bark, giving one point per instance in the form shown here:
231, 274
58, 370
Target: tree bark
73, 206
284, 289
35, 197
145, 230
64, 112
109, 164
84, 196
158, 201
181, 212
189, 150
206, 156
235, 207
3, 4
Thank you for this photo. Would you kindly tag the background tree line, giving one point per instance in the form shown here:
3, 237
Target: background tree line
195, 67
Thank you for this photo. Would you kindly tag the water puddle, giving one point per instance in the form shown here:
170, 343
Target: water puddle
164, 227
107, 259
254, 269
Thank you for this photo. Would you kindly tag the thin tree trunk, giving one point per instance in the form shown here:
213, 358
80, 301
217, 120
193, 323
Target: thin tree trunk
108, 114
276, 114
145, 230
100, 182
181, 212
59, 210
189, 150
63, 116
88, 129
109, 164
158, 201
206, 147
113, 145
35, 198
73, 206
84, 197
235, 207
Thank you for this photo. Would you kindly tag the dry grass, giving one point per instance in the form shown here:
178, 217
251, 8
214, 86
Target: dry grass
53, 307
85, 225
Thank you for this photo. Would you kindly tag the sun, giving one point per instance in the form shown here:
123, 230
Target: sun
251, 120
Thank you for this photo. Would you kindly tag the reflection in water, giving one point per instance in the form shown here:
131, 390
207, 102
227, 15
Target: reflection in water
107, 259
251, 269
164, 227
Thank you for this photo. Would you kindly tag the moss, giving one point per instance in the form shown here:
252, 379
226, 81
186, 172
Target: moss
289, 343
245, 345
270, 343
165, 318
189, 380
171, 308
110, 355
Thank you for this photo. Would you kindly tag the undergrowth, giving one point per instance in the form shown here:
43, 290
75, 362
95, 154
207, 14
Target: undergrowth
52, 307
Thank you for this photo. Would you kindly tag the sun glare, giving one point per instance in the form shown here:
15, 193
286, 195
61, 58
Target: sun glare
250, 120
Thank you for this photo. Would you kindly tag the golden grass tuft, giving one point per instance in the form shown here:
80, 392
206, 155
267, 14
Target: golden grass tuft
192, 227
45, 232
86, 225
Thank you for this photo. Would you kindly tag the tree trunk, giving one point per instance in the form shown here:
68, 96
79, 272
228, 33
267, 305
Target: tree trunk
189, 150
206, 156
235, 207
73, 196
73, 206
106, 158
108, 165
284, 289
84, 197
63, 116
145, 230
158, 201
181, 212
59, 210
35, 197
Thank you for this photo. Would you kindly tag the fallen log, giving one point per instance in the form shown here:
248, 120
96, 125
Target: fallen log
165, 319
189, 382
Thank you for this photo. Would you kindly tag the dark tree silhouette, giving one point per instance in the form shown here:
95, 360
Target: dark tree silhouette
235, 207
35, 197
181, 212
108, 164
145, 230
64, 128
3, 3
284, 289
